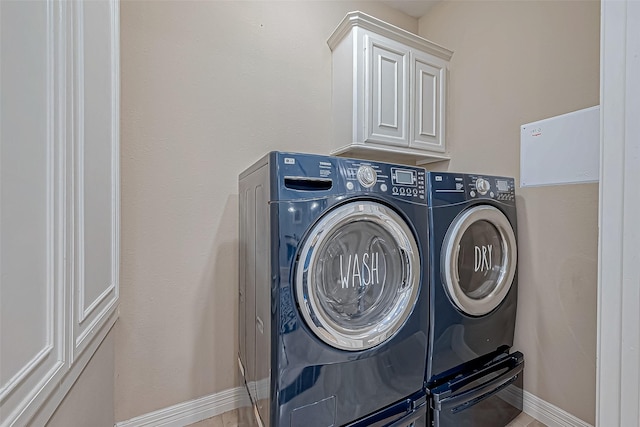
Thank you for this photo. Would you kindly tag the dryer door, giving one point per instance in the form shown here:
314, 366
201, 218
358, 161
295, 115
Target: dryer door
479, 256
358, 275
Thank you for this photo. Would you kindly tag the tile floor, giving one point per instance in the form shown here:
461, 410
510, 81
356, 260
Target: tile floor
243, 417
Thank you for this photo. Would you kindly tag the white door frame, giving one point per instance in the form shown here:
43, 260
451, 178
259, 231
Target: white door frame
618, 353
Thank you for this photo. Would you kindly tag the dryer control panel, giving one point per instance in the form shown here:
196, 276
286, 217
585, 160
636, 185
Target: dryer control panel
492, 187
455, 187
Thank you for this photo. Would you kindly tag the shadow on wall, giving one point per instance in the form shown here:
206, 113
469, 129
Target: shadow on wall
216, 299
526, 258
556, 304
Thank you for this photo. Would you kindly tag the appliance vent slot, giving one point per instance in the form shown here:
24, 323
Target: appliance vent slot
302, 183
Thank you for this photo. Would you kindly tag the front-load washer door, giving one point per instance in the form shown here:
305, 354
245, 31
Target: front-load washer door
358, 275
479, 256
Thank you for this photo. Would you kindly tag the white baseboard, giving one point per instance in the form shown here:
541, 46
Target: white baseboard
549, 414
192, 411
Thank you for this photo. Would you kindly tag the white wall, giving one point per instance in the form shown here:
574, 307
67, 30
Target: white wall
207, 88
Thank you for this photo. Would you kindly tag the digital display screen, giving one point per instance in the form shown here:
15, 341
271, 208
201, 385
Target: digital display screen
404, 177
502, 185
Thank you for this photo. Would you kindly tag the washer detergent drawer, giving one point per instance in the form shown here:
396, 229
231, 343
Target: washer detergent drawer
490, 396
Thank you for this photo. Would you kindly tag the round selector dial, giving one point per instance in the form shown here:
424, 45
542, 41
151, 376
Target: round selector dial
483, 186
367, 176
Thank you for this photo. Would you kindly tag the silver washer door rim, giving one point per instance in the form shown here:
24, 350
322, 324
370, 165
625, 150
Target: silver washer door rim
451, 252
320, 323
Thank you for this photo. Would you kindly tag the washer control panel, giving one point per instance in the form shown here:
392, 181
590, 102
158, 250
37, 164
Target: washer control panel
405, 182
318, 176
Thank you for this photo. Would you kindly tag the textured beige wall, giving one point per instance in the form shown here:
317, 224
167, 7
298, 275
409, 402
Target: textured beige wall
516, 62
90, 400
207, 88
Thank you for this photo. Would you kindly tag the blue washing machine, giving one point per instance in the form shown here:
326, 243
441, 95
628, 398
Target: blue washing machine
332, 320
472, 378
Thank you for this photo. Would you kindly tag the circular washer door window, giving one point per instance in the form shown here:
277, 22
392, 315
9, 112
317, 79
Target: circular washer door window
479, 258
358, 275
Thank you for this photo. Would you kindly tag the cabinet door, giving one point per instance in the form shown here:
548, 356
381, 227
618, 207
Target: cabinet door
386, 93
428, 94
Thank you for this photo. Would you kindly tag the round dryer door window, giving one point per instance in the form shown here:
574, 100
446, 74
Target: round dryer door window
479, 259
358, 275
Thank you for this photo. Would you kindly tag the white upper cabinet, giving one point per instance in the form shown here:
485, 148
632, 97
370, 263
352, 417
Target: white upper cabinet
388, 92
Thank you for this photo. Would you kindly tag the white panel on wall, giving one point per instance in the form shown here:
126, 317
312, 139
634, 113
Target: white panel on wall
96, 160
561, 150
25, 187
59, 190
95, 144
31, 265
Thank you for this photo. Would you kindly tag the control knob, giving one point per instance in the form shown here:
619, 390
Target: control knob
483, 186
367, 176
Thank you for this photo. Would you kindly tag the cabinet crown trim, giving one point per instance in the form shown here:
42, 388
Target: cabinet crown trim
368, 22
